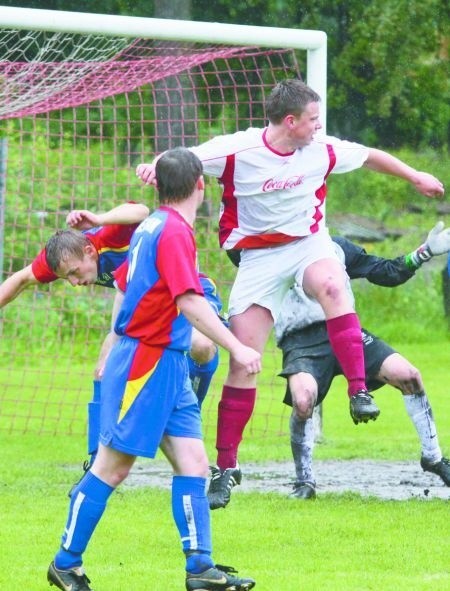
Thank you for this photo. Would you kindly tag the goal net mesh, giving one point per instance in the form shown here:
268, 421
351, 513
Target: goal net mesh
77, 114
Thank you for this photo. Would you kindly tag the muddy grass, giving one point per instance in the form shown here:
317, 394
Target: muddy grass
385, 480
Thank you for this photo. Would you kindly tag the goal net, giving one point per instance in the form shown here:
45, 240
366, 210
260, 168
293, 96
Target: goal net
78, 112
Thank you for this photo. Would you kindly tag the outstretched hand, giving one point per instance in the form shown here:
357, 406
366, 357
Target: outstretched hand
438, 240
428, 185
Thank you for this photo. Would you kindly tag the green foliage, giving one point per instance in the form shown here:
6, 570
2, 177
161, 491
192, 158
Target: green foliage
388, 63
388, 59
391, 75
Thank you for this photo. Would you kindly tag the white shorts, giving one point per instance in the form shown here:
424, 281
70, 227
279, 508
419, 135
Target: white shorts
265, 274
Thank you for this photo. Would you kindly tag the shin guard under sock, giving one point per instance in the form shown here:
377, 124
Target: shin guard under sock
87, 504
421, 415
190, 509
302, 445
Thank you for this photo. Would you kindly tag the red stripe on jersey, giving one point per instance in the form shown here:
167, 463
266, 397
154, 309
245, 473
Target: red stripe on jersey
229, 218
266, 240
321, 192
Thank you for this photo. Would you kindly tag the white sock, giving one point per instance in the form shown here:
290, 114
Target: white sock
302, 445
419, 410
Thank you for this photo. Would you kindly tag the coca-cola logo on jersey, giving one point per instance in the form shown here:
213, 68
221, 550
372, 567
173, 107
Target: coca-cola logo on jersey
290, 183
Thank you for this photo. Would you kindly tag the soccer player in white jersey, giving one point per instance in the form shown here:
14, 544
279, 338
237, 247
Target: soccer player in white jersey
273, 210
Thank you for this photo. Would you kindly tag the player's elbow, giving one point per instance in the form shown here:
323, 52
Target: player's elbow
142, 211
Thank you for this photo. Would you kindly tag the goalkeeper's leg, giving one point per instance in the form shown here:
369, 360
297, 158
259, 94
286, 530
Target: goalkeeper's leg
302, 445
400, 373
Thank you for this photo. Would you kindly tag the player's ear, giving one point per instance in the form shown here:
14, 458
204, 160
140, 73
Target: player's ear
290, 121
90, 251
201, 183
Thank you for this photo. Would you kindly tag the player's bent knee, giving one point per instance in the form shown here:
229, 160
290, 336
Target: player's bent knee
304, 406
412, 382
203, 353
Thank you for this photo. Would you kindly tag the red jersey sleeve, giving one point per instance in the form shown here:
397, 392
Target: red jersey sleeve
120, 276
41, 270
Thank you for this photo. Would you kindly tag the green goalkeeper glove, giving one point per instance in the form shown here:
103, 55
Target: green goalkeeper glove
437, 242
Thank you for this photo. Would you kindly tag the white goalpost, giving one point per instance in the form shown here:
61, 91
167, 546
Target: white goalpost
83, 99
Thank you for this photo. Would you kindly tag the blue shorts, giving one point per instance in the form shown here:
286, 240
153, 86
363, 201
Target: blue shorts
146, 394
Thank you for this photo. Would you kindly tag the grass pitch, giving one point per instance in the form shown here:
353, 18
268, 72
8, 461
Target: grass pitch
337, 543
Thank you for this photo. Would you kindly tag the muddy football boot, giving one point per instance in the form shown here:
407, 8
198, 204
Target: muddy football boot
218, 578
303, 490
222, 481
363, 408
73, 579
441, 468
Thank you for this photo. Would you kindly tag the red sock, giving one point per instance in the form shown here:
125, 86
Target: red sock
235, 410
344, 333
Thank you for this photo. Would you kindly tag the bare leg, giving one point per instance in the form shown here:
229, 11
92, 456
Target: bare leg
325, 280
252, 328
400, 373
303, 389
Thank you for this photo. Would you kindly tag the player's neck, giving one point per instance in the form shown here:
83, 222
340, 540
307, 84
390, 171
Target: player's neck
186, 209
277, 139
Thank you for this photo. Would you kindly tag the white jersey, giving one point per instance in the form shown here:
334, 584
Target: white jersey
268, 197
299, 311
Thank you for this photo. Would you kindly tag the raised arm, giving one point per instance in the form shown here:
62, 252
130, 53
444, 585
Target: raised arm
15, 284
424, 182
395, 271
126, 213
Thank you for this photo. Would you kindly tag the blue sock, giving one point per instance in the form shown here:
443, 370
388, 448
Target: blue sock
201, 376
87, 504
190, 510
94, 421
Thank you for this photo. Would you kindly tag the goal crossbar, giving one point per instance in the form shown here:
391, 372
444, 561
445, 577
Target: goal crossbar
313, 42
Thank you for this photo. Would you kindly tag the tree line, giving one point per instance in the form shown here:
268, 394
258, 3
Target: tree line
388, 82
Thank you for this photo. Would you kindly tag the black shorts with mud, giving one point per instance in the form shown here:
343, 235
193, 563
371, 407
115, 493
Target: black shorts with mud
309, 351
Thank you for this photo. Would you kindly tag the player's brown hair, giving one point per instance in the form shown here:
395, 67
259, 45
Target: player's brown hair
289, 97
177, 171
63, 244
